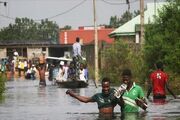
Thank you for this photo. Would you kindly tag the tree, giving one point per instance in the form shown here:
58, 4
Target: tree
2, 84
122, 55
115, 21
136, 13
125, 17
27, 29
66, 27
115, 58
48, 30
163, 38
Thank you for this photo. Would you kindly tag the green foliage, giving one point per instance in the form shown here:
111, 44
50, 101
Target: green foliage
116, 21
136, 13
27, 29
115, 58
122, 55
66, 27
2, 84
91, 72
137, 65
125, 17
163, 38
162, 44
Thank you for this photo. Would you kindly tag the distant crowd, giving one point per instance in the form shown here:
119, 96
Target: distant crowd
56, 70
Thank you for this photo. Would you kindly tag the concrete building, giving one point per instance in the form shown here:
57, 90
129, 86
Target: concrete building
25, 48
130, 31
86, 35
31, 48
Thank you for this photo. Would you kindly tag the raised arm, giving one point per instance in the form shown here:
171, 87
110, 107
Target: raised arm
78, 97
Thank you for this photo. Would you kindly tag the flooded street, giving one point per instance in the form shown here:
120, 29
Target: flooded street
24, 100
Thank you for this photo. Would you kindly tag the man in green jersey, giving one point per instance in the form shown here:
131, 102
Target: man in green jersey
105, 100
133, 96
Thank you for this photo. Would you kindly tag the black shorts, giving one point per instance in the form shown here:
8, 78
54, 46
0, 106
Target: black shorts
159, 96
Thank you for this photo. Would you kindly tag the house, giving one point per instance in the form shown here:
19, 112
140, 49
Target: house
86, 34
28, 49
130, 31
33, 48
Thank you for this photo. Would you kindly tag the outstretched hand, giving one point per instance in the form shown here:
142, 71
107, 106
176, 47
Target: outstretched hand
71, 93
68, 92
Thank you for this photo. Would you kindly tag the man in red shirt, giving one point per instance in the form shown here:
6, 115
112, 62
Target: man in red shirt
159, 81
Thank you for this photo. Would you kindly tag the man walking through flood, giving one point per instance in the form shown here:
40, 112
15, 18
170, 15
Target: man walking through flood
42, 70
158, 83
105, 100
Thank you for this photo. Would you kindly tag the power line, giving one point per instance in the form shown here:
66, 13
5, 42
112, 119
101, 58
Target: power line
65, 12
118, 3
122, 3
74, 7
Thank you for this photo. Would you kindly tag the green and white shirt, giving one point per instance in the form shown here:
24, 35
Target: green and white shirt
130, 96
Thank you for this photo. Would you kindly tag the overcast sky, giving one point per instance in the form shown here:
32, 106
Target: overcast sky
66, 12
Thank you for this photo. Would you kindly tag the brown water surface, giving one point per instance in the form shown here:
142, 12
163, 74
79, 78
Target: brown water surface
24, 100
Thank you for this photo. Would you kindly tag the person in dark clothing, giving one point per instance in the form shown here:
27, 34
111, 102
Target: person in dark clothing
105, 100
51, 67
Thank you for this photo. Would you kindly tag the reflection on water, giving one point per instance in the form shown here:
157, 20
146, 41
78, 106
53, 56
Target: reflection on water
24, 100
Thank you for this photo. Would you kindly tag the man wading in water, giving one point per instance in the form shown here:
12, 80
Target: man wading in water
106, 102
42, 70
158, 84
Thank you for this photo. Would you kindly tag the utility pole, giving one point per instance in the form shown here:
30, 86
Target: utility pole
142, 21
128, 3
155, 7
5, 3
95, 45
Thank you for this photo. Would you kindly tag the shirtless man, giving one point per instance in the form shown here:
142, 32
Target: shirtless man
42, 71
105, 101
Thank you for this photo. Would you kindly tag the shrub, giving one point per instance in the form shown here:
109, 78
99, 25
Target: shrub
2, 84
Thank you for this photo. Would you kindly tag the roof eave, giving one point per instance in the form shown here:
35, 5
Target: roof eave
112, 35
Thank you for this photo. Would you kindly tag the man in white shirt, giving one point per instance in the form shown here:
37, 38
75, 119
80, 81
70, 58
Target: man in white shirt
15, 53
82, 73
77, 48
77, 56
